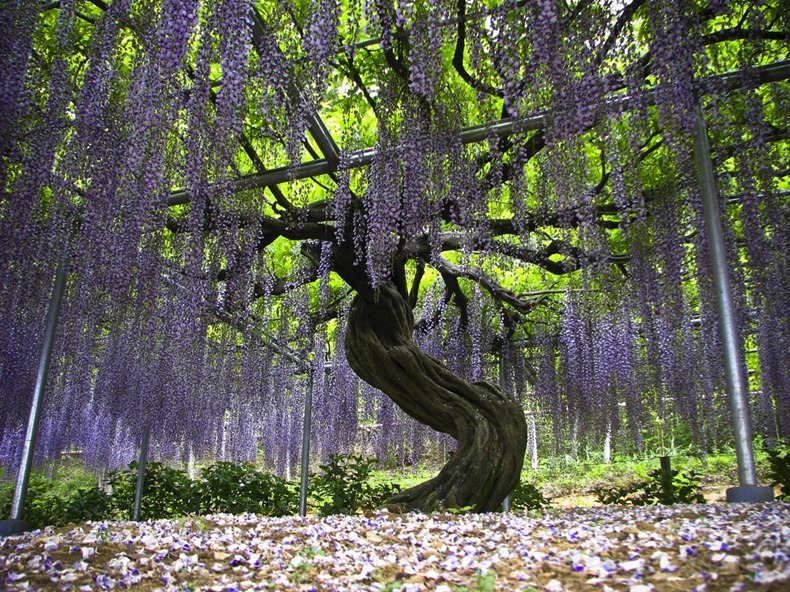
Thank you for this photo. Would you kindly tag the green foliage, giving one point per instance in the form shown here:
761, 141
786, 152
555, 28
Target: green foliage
344, 486
6, 497
57, 502
167, 492
676, 488
460, 510
484, 582
49, 503
779, 472
227, 487
527, 496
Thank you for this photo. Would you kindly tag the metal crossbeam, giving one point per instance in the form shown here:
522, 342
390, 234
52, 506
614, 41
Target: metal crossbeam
315, 125
775, 72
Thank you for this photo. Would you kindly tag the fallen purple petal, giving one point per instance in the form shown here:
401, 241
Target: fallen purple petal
713, 548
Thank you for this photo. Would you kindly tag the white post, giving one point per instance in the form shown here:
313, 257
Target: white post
533, 438
191, 463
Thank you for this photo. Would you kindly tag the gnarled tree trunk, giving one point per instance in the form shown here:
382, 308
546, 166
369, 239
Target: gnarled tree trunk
489, 426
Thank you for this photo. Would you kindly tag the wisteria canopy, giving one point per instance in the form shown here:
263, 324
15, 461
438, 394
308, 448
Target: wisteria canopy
403, 190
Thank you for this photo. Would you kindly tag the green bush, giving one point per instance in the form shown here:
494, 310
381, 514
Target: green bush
527, 497
167, 492
227, 487
48, 503
6, 497
343, 487
779, 472
679, 488
57, 502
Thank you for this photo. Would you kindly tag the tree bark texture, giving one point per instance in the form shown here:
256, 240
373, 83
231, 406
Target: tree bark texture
489, 426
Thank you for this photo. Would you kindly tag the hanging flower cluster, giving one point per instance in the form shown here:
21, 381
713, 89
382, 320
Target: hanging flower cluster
320, 40
674, 55
605, 369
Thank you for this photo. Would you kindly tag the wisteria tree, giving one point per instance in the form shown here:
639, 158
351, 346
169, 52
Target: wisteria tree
222, 171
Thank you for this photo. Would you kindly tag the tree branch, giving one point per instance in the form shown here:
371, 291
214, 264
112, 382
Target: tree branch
739, 33
622, 20
454, 294
458, 57
498, 292
352, 72
414, 292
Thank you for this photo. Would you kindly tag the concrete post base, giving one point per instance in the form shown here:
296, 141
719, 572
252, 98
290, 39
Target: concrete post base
751, 494
10, 527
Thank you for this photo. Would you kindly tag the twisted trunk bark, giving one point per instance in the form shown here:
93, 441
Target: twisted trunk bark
489, 426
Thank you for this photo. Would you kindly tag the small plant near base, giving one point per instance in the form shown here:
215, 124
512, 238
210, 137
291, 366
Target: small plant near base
779, 472
461, 510
527, 496
344, 487
676, 488
50, 502
239, 488
167, 492
484, 582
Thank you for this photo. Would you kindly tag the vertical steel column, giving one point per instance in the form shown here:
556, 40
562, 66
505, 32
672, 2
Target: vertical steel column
138, 490
306, 427
506, 501
666, 476
23, 478
733, 361
533, 436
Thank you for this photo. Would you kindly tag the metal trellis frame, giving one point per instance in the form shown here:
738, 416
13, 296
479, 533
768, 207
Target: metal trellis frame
774, 72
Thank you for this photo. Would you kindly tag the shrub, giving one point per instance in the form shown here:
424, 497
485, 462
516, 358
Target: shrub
779, 472
343, 487
167, 492
57, 502
6, 497
47, 504
227, 487
680, 488
527, 497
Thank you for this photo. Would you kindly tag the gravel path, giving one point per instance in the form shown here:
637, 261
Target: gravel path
687, 547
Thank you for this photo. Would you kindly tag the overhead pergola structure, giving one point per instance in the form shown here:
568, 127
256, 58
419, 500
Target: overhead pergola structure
323, 157
502, 128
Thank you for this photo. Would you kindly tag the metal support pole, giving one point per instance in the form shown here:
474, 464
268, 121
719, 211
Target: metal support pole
138, 491
533, 438
506, 501
306, 427
666, 477
733, 361
15, 524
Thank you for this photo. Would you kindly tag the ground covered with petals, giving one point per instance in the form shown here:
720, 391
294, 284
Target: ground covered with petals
686, 547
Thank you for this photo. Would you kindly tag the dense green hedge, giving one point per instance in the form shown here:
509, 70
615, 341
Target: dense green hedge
59, 501
341, 487
344, 485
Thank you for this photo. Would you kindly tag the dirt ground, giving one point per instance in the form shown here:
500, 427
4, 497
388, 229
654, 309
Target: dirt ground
710, 548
